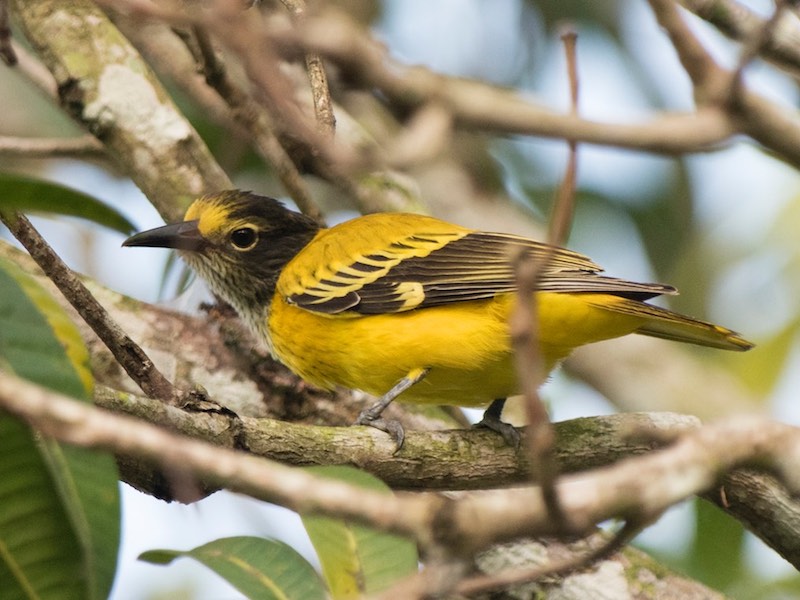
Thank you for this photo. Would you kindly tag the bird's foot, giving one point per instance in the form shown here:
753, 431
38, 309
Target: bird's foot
507, 430
390, 426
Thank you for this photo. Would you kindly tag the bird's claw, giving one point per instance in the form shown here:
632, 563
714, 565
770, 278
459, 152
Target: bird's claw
509, 432
390, 426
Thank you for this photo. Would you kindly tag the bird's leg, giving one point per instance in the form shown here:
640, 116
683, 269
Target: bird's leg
372, 416
491, 420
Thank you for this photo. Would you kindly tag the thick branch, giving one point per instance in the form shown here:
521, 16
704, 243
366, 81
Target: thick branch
693, 464
446, 460
107, 88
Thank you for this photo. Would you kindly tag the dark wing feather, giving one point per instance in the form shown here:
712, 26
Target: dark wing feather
474, 267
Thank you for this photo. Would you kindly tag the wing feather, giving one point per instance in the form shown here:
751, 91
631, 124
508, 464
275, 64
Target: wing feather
433, 269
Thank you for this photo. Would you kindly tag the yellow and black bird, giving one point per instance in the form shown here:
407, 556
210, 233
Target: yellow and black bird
406, 306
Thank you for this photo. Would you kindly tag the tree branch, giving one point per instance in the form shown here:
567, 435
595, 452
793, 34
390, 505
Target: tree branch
130, 356
252, 118
740, 23
692, 464
110, 91
86, 146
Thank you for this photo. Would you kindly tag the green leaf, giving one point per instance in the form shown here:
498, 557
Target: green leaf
716, 556
35, 331
358, 560
59, 505
25, 194
257, 567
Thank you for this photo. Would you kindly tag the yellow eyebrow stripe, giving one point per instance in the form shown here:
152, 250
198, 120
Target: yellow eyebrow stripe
211, 217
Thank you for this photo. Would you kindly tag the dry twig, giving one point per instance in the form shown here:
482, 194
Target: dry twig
524, 325
321, 94
254, 120
85, 145
7, 54
132, 358
739, 22
485, 583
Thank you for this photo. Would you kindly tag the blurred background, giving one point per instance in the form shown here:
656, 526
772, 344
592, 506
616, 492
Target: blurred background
722, 227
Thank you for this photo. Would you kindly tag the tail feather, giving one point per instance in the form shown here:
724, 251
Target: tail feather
669, 325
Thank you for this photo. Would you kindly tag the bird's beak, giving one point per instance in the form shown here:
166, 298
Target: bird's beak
181, 236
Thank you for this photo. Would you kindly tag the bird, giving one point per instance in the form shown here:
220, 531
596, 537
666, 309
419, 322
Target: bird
407, 306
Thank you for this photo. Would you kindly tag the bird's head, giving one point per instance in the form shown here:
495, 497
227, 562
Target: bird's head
237, 241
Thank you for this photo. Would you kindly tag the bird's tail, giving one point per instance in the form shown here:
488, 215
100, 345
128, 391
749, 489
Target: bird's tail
666, 324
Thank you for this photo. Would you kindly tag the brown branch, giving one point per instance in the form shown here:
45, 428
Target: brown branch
252, 118
430, 460
7, 54
754, 43
558, 568
447, 459
77, 423
132, 358
531, 372
86, 145
110, 91
692, 464
564, 205
739, 22
761, 119
320, 93
478, 105
708, 78
34, 71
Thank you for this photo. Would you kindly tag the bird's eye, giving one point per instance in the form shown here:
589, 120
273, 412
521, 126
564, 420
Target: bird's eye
244, 238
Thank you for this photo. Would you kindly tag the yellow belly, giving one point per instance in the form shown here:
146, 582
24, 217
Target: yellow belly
466, 345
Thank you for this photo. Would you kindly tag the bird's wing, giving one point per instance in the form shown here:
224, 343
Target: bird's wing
436, 267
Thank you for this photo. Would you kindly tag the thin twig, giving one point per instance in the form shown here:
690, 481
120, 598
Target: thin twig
6, 50
740, 22
710, 81
529, 362
564, 205
320, 92
752, 47
132, 358
85, 145
32, 68
555, 569
253, 119
524, 323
